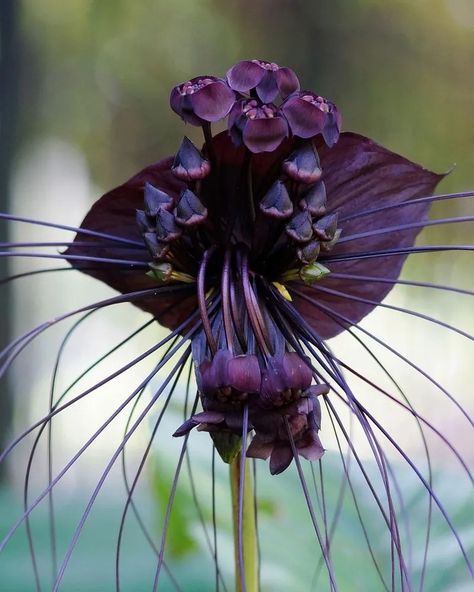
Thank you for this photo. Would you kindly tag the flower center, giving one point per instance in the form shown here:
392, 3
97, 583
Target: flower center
317, 101
255, 110
267, 65
190, 87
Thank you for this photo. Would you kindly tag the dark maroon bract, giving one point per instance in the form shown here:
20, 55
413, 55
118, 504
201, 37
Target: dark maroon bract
242, 234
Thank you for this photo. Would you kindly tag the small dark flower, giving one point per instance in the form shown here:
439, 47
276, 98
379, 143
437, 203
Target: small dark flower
202, 100
260, 127
308, 114
267, 78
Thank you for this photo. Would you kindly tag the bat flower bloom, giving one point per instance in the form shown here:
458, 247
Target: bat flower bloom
260, 127
265, 79
202, 99
308, 114
254, 250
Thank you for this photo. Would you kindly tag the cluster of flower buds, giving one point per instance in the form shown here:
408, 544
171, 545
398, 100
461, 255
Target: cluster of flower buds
299, 199
282, 405
264, 105
168, 219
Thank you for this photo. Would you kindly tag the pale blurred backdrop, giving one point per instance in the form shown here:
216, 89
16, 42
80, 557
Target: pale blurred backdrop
84, 106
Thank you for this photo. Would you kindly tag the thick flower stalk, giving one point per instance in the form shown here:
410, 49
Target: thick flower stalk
274, 236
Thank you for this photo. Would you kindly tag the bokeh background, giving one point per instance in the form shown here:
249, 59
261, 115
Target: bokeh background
84, 105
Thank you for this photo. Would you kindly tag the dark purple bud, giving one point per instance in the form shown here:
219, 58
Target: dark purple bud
267, 78
244, 373
281, 458
303, 164
156, 200
299, 228
152, 244
297, 372
189, 164
309, 114
314, 199
260, 127
309, 253
328, 245
202, 99
167, 230
276, 203
283, 375
325, 228
225, 371
190, 210
143, 222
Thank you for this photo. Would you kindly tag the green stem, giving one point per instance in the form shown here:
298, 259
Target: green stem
249, 532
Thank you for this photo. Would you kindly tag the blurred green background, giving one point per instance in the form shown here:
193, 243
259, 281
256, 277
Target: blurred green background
84, 105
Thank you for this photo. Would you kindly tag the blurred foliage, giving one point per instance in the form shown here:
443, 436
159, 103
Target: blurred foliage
281, 510
180, 541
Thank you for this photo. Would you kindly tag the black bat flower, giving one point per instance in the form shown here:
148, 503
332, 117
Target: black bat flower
278, 235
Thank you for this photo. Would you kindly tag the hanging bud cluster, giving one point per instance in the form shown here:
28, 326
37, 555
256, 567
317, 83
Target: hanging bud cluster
239, 235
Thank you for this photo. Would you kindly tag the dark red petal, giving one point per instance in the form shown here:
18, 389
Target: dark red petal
264, 135
259, 448
214, 101
305, 119
313, 450
245, 75
114, 213
280, 458
361, 175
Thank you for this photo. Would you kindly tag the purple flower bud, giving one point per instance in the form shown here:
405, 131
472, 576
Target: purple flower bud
283, 376
267, 78
152, 244
156, 200
299, 227
298, 373
189, 164
144, 222
309, 114
314, 199
225, 371
190, 209
167, 229
309, 252
244, 373
303, 164
202, 99
276, 203
260, 127
325, 228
